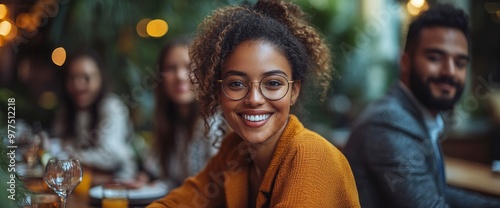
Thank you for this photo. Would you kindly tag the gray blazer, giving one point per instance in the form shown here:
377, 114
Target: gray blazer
393, 161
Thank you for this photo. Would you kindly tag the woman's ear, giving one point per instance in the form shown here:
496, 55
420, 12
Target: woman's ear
295, 92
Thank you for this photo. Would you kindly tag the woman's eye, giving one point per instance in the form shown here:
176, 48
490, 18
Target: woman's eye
274, 83
236, 84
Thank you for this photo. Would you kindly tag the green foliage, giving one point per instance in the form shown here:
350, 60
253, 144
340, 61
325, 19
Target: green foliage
20, 190
109, 26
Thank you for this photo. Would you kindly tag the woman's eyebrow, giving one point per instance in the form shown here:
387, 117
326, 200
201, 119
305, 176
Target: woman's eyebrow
239, 73
275, 72
234, 72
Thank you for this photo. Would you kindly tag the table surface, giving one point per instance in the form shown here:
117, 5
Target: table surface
472, 176
75, 199
459, 173
81, 201
36, 185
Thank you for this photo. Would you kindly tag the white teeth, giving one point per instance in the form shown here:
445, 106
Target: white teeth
256, 118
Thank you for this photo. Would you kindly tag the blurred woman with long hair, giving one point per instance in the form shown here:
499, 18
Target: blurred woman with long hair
94, 124
180, 148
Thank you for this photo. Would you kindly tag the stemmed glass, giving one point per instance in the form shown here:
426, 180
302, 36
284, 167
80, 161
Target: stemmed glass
63, 176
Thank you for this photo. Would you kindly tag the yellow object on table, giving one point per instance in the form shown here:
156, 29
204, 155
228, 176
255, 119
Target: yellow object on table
115, 203
114, 195
84, 186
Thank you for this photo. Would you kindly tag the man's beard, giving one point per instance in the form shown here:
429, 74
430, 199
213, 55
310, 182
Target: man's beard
422, 91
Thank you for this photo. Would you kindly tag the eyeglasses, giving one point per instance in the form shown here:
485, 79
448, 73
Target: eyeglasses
273, 87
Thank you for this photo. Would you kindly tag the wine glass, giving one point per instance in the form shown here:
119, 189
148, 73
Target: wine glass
63, 176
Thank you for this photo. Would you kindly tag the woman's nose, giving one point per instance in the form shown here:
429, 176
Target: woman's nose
254, 97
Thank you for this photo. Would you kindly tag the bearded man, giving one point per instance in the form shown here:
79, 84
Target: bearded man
393, 149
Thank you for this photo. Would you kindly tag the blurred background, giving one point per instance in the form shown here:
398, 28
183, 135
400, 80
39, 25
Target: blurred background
366, 37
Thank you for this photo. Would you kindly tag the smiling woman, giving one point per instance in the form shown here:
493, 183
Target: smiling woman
254, 116
251, 62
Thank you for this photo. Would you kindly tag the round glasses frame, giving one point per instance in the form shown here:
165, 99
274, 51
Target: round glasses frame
221, 81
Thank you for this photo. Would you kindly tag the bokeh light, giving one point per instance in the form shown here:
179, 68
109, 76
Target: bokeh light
417, 3
23, 20
157, 28
3, 11
47, 100
59, 56
12, 33
141, 28
5, 27
36, 19
414, 11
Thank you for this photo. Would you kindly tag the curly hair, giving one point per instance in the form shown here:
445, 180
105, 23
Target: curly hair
277, 22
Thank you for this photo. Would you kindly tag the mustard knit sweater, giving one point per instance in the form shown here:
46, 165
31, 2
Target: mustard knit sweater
305, 171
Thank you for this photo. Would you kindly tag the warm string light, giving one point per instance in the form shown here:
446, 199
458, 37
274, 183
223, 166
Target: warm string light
3, 11
59, 56
23, 20
414, 7
152, 28
141, 28
5, 27
26, 21
417, 3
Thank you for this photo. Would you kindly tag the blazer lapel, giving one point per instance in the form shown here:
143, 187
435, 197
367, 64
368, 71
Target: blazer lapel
422, 132
412, 108
441, 183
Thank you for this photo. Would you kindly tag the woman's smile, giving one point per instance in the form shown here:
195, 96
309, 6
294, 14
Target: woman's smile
255, 118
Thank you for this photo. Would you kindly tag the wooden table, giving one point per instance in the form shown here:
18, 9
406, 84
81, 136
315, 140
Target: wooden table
472, 176
78, 201
74, 200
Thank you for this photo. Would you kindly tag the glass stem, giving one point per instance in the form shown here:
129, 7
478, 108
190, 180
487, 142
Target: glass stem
63, 202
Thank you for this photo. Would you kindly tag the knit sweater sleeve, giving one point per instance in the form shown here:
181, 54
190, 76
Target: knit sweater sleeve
206, 189
316, 174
